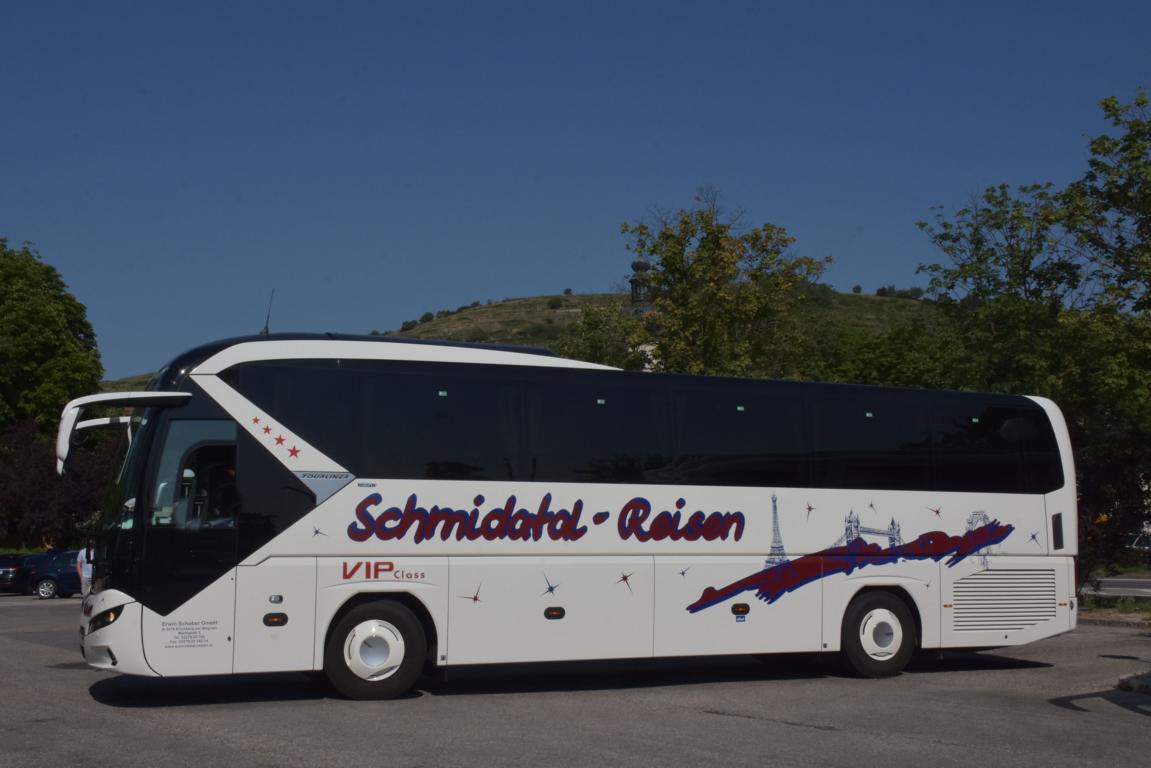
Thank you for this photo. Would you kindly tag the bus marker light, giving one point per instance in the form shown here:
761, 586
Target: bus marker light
275, 619
554, 613
741, 609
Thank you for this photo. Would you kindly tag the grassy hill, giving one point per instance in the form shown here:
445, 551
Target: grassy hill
127, 384
538, 321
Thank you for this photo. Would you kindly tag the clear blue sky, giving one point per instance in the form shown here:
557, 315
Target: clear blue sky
372, 161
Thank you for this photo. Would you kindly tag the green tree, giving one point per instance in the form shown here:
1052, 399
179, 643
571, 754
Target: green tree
723, 301
608, 335
48, 356
1009, 280
1109, 209
48, 350
1045, 293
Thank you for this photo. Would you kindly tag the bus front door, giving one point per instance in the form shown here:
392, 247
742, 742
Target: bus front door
189, 566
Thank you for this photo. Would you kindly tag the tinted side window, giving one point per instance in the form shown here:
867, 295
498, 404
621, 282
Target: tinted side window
443, 422
870, 438
1041, 456
273, 498
596, 427
396, 420
978, 446
319, 400
732, 432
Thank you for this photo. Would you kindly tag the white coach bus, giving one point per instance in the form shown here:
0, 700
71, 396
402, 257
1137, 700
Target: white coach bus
368, 507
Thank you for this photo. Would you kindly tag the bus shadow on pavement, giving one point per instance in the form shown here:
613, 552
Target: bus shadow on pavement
617, 674
959, 661
130, 691
620, 674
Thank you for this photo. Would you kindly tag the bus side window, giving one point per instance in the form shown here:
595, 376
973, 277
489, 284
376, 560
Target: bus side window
589, 428
978, 446
199, 459
739, 433
866, 438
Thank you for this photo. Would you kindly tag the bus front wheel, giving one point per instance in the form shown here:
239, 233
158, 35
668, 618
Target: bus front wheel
878, 635
376, 651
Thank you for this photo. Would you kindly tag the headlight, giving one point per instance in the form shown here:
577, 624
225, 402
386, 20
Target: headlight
104, 618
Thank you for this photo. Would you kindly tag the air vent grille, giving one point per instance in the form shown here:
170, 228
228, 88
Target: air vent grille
1004, 600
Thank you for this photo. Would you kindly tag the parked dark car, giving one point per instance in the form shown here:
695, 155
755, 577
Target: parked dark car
10, 568
51, 574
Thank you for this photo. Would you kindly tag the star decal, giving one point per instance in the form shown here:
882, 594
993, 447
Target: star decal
474, 598
280, 440
625, 579
936, 510
871, 506
551, 590
317, 532
810, 509
1035, 538
683, 573
267, 430
294, 452
255, 419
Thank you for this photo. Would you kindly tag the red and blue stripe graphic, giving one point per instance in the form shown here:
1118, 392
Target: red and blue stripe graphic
773, 583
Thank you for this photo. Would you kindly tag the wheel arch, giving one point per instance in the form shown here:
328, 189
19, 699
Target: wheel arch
407, 599
919, 593
899, 592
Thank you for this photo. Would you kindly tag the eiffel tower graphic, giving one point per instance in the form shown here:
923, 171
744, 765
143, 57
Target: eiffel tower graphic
776, 556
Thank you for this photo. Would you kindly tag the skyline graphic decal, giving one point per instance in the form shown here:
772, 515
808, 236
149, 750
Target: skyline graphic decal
774, 582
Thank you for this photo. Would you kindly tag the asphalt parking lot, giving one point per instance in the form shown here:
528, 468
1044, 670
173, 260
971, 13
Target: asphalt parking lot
1049, 704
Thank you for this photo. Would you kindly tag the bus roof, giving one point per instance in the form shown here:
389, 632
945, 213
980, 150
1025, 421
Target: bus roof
175, 371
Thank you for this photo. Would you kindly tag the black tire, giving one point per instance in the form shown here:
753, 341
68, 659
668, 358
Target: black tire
360, 658
878, 635
46, 589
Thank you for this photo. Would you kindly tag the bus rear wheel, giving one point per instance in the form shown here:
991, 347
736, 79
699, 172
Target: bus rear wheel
376, 651
878, 635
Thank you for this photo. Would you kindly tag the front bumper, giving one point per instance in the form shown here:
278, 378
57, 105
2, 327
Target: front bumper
118, 646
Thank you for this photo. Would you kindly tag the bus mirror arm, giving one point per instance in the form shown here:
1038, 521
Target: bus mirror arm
70, 417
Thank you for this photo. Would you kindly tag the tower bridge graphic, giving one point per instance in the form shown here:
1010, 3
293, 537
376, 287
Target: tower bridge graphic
853, 529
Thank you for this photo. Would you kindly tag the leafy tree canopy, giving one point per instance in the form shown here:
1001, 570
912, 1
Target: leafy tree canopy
1046, 292
720, 296
48, 356
48, 350
1109, 209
